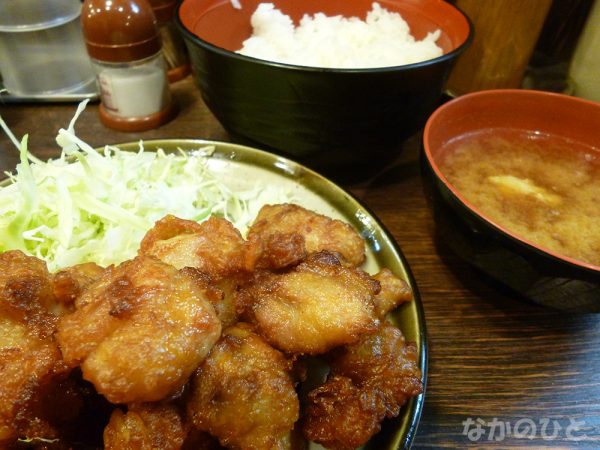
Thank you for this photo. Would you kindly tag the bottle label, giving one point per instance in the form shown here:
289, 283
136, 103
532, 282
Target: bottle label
135, 92
106, 92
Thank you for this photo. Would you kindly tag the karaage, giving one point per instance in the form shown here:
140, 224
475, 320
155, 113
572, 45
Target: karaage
382, 361
222, 293
200, 440
243, 393
68, 284
369, 381
25, 283
145, 427
275, 251
133, 354
394, 291
342, 416
319, 233
139, 331
214, 246
31, 367
317, 306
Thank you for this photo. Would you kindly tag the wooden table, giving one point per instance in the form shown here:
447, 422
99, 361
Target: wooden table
502, 373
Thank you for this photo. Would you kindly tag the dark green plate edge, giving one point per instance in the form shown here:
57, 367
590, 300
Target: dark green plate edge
398, 433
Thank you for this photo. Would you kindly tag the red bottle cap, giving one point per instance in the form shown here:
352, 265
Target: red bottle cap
120, 30
163, 9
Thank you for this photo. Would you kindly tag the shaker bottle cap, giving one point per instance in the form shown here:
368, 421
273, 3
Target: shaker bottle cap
120, 30
163, 9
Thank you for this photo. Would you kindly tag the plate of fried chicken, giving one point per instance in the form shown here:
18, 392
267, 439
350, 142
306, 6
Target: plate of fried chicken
306, 332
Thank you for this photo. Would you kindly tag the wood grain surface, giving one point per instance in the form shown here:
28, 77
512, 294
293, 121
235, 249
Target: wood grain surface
505, 34
496, 362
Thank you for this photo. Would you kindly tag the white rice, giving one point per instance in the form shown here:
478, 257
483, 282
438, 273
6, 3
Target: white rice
382, 40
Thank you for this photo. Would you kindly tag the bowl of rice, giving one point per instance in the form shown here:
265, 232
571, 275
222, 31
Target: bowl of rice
339, 85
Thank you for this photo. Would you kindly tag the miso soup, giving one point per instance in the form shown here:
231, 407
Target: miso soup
542, 188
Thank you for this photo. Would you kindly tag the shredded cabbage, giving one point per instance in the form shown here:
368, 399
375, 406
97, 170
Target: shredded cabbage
96, 206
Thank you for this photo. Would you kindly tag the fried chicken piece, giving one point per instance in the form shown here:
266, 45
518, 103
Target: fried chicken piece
319, 232
294, 440
166, 228
243, 393
212, 252
200, 440
226, 305
82, 418
25, 281
318, 306
145, 427
69, 283
139, 331
214, 246
341, 416
59, 415
382, 361
222, 293
368, 381
30, 361
27, 363
275, 250
394, 291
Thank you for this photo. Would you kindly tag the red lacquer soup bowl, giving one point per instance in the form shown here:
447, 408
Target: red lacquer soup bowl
513, 177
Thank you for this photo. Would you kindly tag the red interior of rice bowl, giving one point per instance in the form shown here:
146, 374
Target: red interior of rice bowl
221, 24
